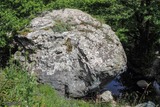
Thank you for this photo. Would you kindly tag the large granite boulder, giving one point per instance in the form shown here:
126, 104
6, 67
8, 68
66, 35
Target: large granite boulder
70, 50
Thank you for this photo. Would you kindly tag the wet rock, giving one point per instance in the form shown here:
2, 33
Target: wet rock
147, 104
71, 51
156, 86
156, 69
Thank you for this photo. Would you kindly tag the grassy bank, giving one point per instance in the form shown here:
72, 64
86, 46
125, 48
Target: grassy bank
18, 89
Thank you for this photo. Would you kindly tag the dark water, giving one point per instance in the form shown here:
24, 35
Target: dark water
115, 86
125, 87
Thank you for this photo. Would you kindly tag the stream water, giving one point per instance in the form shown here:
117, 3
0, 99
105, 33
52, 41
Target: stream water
124, 87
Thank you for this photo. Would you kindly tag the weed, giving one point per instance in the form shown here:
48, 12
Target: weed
60, 27
24, 32
68, 45
101, 19
46, 28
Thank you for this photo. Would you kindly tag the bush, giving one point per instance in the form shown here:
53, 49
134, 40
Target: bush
16, 87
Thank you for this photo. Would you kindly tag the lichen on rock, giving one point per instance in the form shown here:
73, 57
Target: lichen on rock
75, 60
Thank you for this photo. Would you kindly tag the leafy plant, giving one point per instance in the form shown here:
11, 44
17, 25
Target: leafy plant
17, 87
24, 31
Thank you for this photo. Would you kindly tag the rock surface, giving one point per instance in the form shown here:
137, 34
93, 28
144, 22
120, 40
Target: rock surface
142, 84
106, 96
156, 69
156, 86
146, 104
71, 51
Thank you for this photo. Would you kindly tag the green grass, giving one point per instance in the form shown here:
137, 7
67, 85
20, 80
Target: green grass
19, 89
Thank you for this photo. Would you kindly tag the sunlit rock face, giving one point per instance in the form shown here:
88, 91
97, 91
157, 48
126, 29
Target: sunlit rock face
70, 50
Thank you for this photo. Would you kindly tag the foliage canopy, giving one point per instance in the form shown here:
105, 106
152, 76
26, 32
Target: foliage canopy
136, 22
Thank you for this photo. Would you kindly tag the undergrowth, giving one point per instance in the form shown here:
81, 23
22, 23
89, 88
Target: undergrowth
19, 89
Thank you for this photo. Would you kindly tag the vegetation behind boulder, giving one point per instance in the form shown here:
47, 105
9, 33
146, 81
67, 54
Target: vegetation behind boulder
136, 22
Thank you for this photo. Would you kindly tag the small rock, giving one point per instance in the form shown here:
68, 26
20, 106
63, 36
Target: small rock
156, 69
106, 96
156, 87
127, 106
146, 104
142, 83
